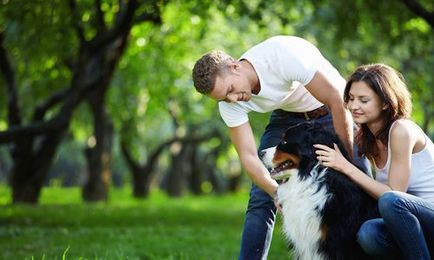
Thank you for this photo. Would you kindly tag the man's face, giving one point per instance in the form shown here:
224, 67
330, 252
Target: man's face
232, 86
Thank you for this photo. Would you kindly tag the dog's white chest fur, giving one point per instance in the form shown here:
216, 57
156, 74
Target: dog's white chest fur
301, 202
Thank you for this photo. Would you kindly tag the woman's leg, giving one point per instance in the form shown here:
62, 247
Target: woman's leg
410, 220
375, 240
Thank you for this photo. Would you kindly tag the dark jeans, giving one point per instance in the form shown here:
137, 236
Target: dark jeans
405, 231
261, 212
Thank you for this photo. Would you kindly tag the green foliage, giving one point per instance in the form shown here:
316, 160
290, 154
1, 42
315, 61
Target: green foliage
152, 89
41, 44
205, 227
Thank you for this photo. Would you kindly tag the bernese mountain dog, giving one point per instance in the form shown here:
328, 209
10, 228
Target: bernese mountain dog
322, 209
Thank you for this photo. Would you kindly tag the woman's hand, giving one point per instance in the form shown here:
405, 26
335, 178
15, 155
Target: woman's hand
330, 157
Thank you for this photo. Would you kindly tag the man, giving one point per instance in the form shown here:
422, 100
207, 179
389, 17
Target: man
286, 75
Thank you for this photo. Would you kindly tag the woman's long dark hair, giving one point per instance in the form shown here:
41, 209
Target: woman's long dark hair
390, 87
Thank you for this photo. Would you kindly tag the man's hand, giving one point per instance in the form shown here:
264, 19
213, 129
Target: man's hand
276, 202
244, 141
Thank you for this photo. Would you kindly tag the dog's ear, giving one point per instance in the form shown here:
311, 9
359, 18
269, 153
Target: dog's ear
317, 134
323, 136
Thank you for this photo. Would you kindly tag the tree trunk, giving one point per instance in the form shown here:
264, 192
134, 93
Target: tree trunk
196, 169
176, 176
99, 153
142, 174
234, 183
30, 167
140, 189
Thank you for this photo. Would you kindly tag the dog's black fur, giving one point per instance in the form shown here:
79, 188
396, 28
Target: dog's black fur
347, 206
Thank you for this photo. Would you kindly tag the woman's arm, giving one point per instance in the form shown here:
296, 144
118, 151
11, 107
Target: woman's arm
333, 158
402, 141
401, 146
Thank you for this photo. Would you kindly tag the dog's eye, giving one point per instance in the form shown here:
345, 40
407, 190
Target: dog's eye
283, 142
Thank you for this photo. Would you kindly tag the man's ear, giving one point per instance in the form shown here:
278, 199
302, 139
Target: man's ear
235, 66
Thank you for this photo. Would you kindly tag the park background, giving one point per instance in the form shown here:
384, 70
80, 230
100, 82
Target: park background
107, 151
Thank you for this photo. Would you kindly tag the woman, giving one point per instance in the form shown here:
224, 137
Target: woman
403, 157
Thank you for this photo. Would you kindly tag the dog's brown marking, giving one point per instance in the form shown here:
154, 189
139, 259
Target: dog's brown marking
324, 231
281, 157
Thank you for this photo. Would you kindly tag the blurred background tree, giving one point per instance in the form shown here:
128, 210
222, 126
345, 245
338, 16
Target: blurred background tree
98, 93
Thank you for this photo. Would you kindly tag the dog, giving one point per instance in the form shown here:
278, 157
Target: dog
322, 209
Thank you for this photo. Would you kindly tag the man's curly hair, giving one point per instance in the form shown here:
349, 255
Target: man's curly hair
207, 69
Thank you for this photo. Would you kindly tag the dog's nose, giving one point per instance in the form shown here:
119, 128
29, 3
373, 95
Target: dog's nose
261, 154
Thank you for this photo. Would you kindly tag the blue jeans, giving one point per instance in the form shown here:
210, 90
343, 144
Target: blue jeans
261, 212
406, 229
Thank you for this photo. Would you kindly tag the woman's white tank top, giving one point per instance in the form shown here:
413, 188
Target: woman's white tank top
421, 182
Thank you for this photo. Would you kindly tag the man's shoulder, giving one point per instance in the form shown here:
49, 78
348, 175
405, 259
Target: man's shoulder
285, 40
280, 45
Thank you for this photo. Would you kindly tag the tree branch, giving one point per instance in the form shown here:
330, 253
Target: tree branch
152, 15
34, 129
14, 115
99, 16
49, 103
154, 155
61, 120
121, 26
419, 10
76, 21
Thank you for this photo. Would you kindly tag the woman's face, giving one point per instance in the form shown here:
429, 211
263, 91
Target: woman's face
364, 104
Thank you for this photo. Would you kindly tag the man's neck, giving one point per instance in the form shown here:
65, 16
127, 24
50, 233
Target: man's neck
252, 76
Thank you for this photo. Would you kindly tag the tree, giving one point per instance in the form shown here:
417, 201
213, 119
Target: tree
99, 49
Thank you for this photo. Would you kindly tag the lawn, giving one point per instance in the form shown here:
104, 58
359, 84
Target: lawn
159, 227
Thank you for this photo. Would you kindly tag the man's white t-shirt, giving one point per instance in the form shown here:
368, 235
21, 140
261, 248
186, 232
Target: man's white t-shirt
284, 65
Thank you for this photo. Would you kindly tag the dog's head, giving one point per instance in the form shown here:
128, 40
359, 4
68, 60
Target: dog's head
295, 152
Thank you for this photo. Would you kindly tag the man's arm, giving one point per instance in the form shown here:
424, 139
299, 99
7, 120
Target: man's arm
328, 94
244, 142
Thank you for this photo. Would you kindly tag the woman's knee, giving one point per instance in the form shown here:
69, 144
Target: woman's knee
364, 234
389, 202
371, 237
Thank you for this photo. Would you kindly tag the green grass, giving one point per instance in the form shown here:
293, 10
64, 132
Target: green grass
159, 227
